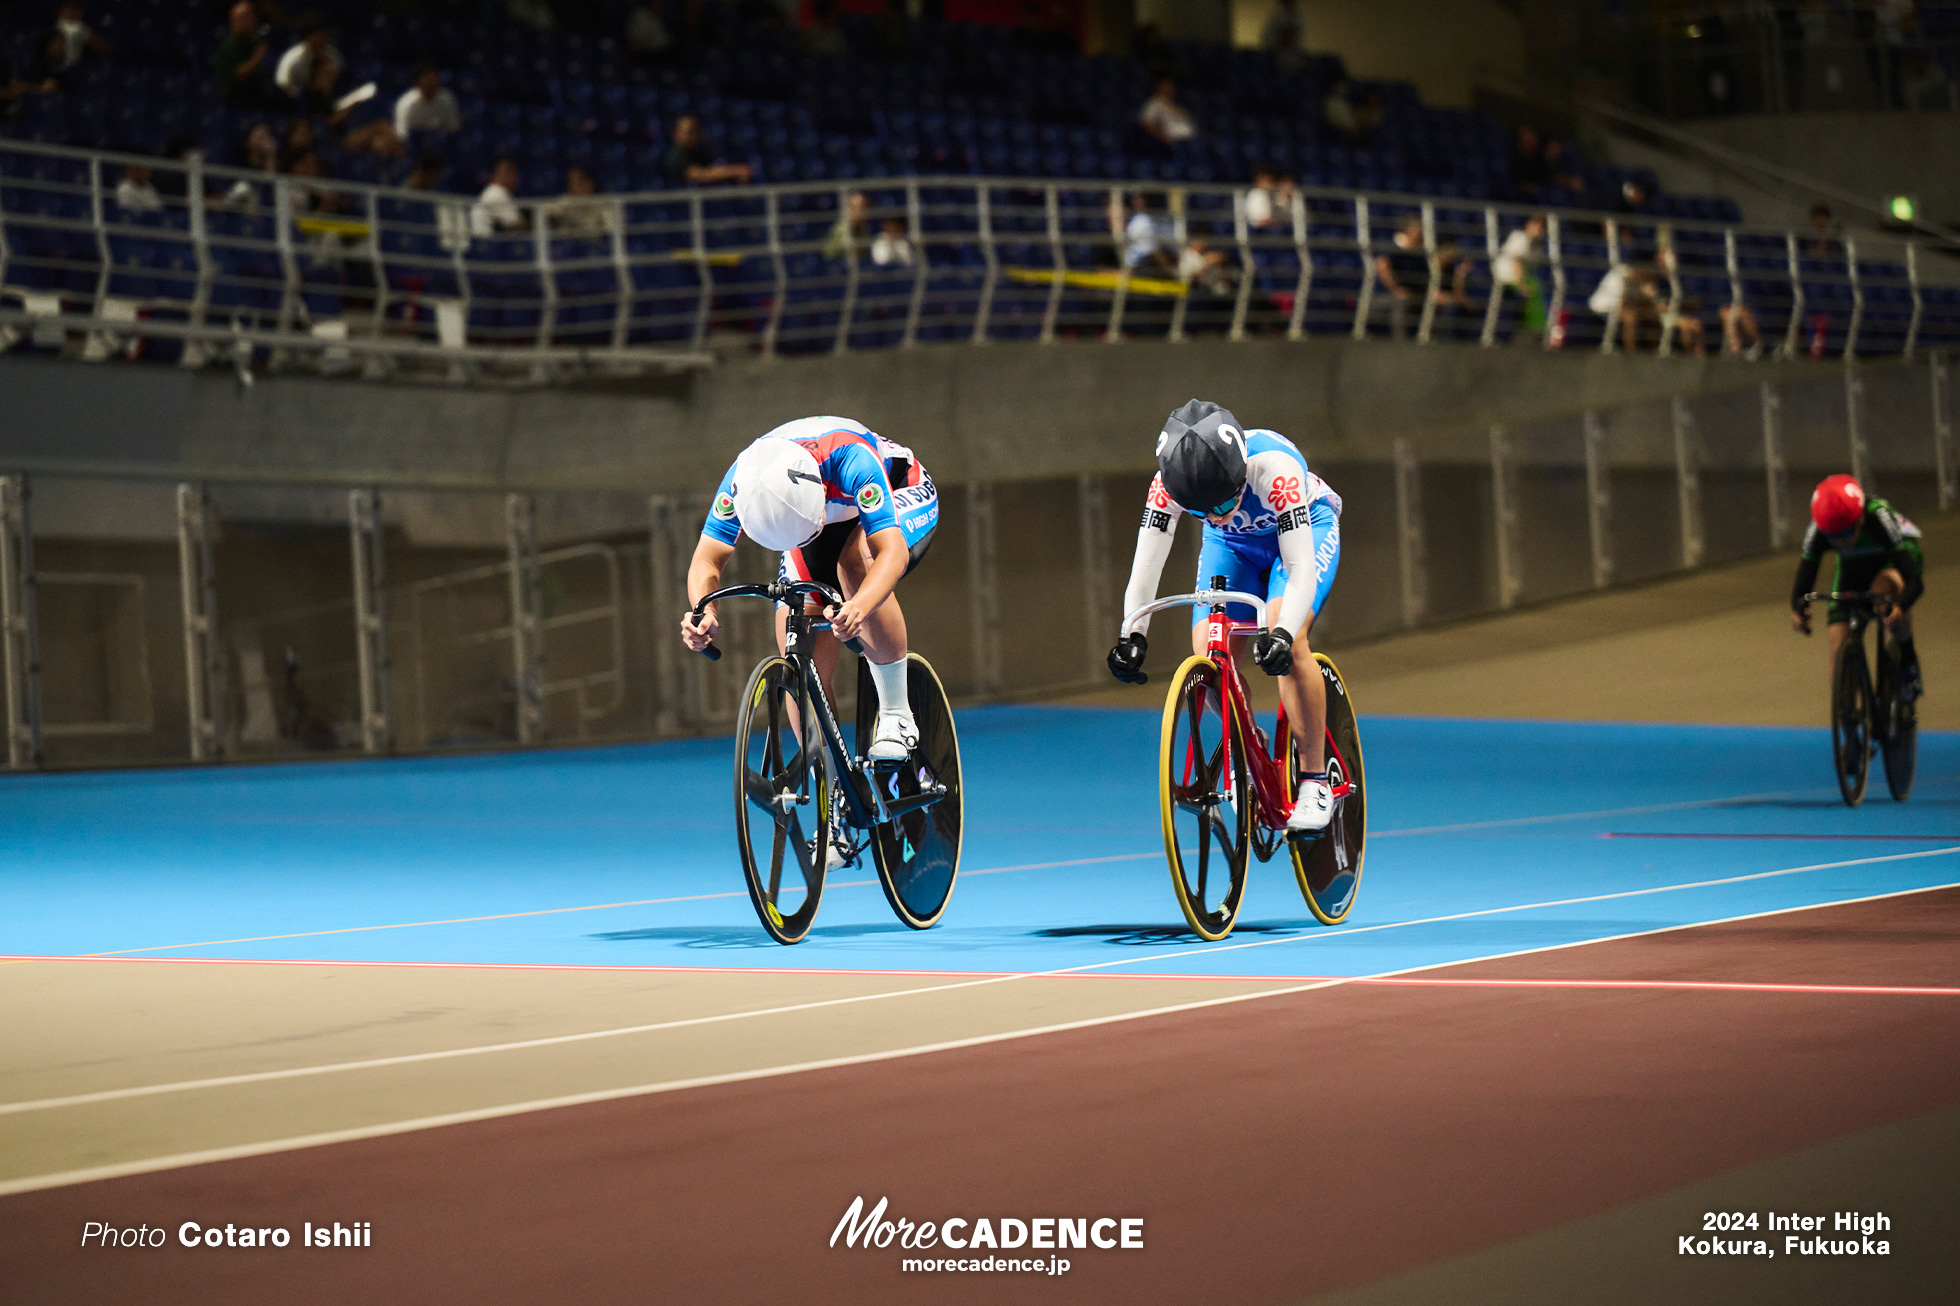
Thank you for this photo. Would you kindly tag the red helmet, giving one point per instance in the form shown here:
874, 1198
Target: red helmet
1837, 505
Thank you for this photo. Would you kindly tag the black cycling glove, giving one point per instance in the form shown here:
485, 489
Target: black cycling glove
1273, 651
1126, 660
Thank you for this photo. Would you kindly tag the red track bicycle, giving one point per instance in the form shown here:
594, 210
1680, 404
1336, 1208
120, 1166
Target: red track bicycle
1226, 789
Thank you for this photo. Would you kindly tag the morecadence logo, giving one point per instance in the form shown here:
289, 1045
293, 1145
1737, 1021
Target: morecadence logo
875, 1230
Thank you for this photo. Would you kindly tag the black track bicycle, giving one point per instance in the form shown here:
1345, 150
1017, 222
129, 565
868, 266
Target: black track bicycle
795, 795
1869, 715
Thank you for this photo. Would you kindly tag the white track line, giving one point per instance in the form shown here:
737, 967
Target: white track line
243, 1150
598, 906
992, 870
413, 1058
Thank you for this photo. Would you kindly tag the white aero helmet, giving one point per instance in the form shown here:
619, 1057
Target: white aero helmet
779, 495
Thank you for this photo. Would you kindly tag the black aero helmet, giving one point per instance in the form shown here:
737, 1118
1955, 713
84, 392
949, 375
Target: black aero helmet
1201, 456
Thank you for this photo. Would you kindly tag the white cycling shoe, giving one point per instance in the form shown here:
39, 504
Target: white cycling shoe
1312, 809
897, 734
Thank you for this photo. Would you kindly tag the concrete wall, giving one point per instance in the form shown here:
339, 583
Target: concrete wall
1004, 412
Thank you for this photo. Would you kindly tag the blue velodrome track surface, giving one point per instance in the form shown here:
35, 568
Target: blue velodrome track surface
1487, 837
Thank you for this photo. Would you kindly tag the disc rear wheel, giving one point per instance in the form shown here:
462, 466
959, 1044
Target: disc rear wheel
782, 801
1899, 726
918, 851
1205, 792
1328, 866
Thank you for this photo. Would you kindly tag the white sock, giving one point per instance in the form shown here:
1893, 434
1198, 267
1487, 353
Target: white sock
890, 679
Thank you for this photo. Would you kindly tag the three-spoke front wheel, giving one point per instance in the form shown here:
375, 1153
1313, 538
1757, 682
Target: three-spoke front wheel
1205, 790
782, 800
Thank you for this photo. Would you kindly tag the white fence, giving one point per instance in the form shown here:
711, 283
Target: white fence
336, 275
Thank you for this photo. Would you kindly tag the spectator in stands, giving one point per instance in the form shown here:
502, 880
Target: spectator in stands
1353, 121
893, 247
361, 128
260, 154
1512, 271
1146, 238
688, 162
1674, 310
1206, 270
137, 192
495, 210
1281, 37
313, 199
1455, 309
824, 38
239, 65
1163, 119
647, 36
1403, 273
1627, 294
81, 40
1739, 320
1261, 213
849, 231
428, 106
307, 72
579, 214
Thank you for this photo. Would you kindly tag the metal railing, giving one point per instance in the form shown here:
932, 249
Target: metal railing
300, 271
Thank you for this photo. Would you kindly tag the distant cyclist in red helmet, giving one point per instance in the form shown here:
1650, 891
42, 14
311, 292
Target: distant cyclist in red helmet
1877, 549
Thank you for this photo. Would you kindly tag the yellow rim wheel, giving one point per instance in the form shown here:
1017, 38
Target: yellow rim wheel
1204, 793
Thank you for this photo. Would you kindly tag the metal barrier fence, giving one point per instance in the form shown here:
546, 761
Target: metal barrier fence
233, 621
303, 271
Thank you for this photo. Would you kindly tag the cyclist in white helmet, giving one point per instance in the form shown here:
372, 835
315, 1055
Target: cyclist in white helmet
847, 508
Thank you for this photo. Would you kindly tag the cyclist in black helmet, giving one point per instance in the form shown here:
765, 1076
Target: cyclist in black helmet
1271, 527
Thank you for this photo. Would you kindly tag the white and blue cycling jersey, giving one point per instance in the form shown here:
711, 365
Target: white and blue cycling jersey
866, 478
1282, 540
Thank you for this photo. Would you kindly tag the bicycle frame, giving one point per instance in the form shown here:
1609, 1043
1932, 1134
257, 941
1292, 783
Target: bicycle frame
798, 629
1268, 779
1867, 608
